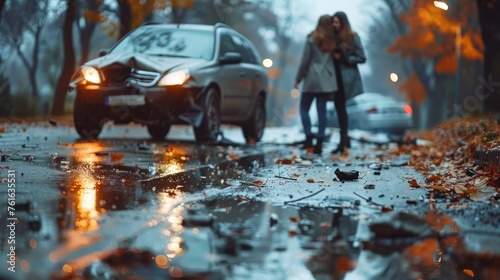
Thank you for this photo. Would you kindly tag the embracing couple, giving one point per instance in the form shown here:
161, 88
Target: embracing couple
329, 70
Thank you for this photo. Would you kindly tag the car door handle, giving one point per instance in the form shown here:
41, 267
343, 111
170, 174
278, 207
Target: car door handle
242, 73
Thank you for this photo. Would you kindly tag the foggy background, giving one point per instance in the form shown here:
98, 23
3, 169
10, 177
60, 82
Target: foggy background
413, 40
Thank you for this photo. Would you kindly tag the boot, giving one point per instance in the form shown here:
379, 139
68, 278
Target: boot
318, 148
345, 143
308, 143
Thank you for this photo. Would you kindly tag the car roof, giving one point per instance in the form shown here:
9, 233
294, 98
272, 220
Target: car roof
191, 26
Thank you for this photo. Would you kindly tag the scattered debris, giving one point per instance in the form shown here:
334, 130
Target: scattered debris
347, 175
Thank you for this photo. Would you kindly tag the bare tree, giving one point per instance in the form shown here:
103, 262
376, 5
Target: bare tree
86, 22
23, 22
69, 60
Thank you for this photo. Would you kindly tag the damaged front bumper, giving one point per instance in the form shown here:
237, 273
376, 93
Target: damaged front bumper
150, 105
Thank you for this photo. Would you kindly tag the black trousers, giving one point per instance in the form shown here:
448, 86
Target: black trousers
339, 102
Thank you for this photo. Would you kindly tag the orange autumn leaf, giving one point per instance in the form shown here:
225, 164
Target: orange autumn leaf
117, 157
257, 182
310, 180
233, 156
292, 233
433, 178
469, 272
439, 188
447, 64
284, 161
414, 89
344, 264
413, 183
294, 219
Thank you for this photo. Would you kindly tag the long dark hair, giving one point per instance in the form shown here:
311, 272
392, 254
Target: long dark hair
323, 34
345, 35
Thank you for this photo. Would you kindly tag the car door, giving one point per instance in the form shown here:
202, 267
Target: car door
231, 78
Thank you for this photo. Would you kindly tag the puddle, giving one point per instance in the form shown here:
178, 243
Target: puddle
156, 230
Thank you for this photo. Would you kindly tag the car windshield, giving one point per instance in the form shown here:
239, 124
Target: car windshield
168, 42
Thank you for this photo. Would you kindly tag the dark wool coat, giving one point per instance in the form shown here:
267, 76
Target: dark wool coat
352, 56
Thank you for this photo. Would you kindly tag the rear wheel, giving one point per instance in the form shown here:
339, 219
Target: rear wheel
253, 129
159, 131
209, 129
87, 119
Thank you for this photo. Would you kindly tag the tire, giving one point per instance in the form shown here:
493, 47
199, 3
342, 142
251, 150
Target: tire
87, 119
253, 129
159, 131
209, 129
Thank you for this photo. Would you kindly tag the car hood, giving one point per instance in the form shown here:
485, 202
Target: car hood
144, 62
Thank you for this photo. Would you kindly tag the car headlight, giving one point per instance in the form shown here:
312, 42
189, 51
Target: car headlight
91, 74
174, 78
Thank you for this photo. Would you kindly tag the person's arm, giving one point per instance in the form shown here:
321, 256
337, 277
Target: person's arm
304, 64
355, 54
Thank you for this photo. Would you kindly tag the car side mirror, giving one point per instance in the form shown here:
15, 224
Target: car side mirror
230, 58
103, 52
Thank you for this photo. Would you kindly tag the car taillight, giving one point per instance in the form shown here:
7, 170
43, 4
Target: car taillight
408, 109
372, 111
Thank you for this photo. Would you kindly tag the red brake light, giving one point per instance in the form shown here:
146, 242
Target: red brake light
372, 111
408, 109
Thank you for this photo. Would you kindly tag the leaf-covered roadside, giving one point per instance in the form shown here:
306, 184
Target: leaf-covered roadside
454, 160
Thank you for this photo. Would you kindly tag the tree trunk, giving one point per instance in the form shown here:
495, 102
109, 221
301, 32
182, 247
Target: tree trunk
2, 4
87, 31
69, 60
125, 17
490, 30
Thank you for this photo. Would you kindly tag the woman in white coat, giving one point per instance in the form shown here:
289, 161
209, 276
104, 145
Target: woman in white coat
317, 71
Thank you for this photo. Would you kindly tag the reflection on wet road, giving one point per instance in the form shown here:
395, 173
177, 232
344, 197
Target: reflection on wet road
150, 210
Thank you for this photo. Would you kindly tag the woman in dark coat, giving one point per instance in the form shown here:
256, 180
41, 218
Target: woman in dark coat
347, 55
318, 72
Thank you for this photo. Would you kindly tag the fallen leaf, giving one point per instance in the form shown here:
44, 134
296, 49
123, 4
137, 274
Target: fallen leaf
257, 182
284, 161
310, 180
439, 188
294, 219
117, 157
292, 233
469, 272
233, 156
413, 183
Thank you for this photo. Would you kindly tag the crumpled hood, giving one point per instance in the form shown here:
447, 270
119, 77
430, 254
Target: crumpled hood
144, 62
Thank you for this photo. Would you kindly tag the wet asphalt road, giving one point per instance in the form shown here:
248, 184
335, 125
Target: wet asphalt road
128, 207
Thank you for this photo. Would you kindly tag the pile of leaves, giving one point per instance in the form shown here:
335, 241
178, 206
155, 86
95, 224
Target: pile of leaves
454, 159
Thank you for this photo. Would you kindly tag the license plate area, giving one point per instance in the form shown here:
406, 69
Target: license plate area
126, 100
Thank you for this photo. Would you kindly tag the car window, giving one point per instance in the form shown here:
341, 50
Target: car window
226, 44
168, 42
241, 46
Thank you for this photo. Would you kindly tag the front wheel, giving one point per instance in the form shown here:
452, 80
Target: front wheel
253, 129
209, 129
87, 120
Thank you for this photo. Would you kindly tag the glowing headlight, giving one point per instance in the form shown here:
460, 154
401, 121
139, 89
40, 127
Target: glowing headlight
174, 78
91, 74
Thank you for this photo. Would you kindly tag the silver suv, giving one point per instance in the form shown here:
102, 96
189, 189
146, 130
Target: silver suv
162, 74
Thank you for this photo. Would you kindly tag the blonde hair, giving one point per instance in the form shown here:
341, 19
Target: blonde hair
322, 35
